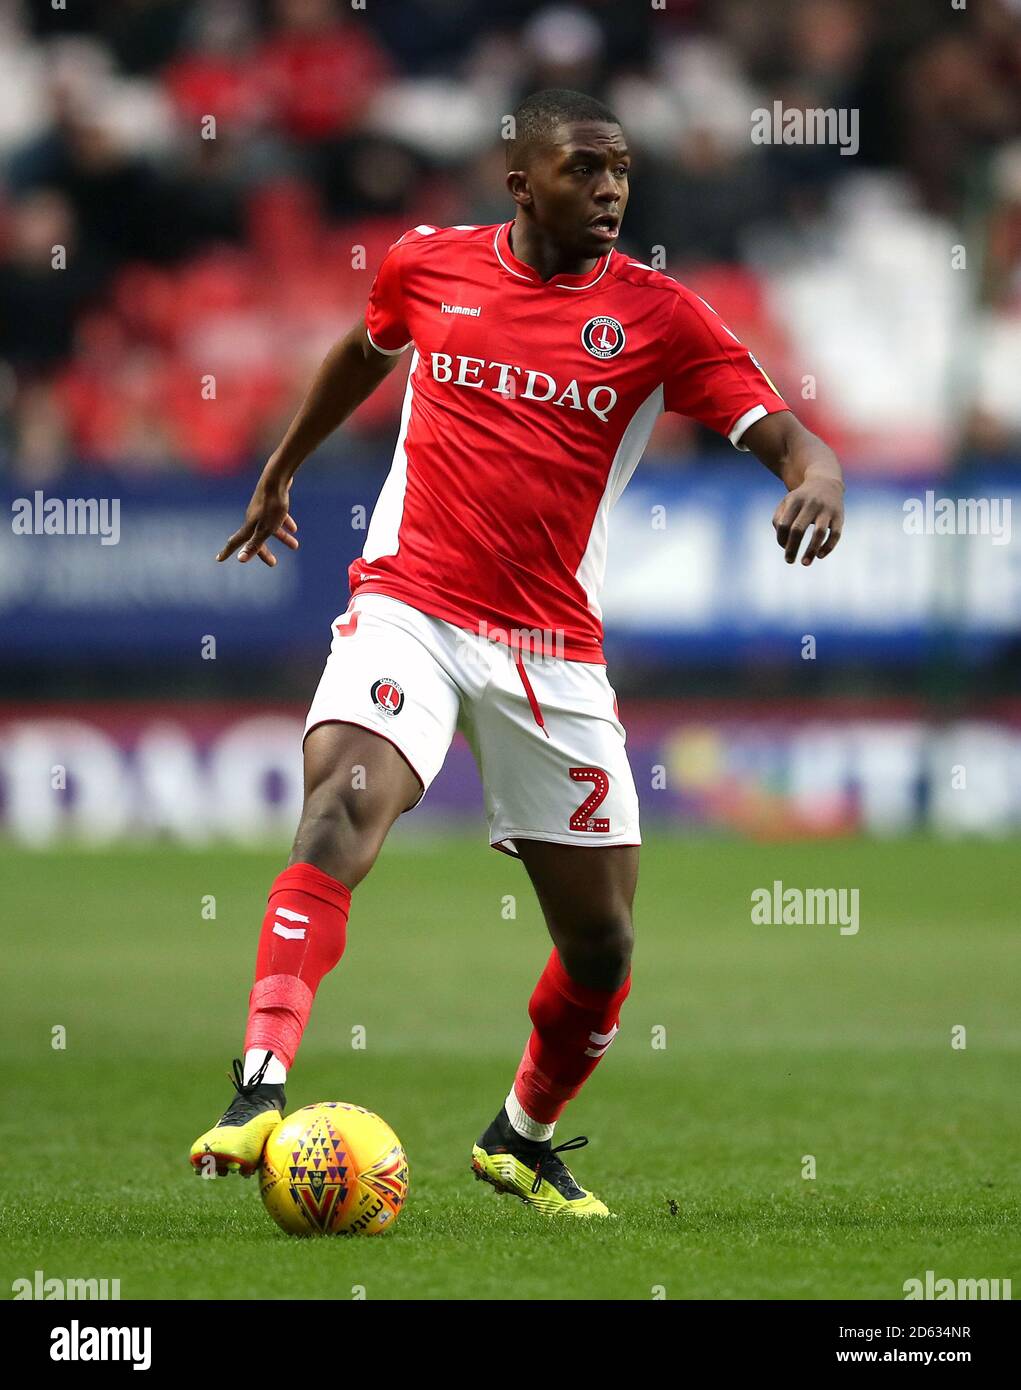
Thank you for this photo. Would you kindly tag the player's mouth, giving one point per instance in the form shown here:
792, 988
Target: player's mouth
606, 227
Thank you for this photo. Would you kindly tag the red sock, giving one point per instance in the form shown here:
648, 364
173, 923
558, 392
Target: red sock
303, 936
572, 1028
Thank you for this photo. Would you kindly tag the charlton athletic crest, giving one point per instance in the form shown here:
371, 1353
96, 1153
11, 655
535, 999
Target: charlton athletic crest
387, 696
603, 337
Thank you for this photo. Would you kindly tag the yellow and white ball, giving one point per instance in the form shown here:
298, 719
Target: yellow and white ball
333, 1169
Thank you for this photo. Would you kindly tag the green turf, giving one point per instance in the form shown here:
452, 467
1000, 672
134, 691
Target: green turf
781, 1042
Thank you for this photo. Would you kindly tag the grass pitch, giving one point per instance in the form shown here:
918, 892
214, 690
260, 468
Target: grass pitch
744, 1049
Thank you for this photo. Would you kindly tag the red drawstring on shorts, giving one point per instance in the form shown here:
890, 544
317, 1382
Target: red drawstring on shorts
532, 701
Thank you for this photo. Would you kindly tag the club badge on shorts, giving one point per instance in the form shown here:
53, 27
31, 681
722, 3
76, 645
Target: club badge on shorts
387, 696
603, 337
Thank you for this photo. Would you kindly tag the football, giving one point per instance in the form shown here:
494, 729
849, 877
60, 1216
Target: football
333, 1169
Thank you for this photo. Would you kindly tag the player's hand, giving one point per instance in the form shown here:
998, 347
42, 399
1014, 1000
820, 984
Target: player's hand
818, 503
268, 515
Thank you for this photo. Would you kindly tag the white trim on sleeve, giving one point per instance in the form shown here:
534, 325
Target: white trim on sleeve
387, 352
757, 412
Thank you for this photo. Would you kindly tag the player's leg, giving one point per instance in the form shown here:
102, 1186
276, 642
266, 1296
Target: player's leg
587, 898
356, 785
370, 753
560, 794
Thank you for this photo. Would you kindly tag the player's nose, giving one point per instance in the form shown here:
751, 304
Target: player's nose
608, 194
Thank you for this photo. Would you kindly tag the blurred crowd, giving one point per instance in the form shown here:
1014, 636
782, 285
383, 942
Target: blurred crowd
194, 195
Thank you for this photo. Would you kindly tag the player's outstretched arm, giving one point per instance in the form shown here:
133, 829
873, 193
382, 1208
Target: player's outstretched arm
350, 372
815, 484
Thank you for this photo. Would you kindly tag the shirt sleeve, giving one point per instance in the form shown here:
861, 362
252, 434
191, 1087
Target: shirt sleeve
711, 376
385, 321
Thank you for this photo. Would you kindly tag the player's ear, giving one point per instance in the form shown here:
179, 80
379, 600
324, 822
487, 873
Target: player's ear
519, 189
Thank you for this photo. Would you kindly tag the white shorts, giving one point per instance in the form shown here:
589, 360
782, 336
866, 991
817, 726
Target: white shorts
544, 732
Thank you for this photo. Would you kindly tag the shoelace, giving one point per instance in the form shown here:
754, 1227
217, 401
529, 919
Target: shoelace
578, 1142
238, 1079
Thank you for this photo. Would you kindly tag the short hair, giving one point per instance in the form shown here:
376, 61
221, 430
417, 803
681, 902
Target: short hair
539, 115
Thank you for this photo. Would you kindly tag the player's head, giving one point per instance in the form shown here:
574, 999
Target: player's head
567, 167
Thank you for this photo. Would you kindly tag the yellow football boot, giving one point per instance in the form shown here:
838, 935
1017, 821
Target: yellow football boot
532, 1171
235, 1143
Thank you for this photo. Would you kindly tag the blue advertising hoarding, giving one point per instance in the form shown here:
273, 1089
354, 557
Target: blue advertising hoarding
693, 570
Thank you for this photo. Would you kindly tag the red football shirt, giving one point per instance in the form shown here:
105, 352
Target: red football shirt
529, 404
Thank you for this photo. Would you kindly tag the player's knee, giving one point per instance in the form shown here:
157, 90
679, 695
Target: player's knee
342, 829
597, 951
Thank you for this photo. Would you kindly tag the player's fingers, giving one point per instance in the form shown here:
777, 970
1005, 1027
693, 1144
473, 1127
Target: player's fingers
815, 544
794, 538
266, 556
795, 535
232, 545
257, 538
289, 522
830, 542
289, 540
782, 518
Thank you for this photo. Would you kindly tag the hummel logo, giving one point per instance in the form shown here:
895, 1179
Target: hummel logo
461, 309
289, 933
601, 1042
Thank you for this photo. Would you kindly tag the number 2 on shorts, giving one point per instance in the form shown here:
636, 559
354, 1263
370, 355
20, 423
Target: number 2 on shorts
583, 818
